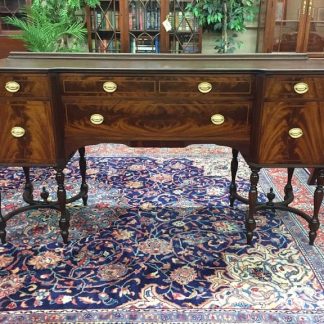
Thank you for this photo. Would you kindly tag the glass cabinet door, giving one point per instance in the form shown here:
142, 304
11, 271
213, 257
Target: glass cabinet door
314, 35
288, 26
11, 8
105, 27
184, 36
292, 26
144, 26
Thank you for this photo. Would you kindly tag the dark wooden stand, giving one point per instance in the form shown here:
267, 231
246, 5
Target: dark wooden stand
267, 107
255, 206
59, 204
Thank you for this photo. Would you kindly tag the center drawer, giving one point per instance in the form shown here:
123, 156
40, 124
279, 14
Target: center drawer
207, 86
149, 119
94, 85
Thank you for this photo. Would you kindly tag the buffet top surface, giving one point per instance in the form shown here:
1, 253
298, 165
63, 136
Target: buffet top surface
162, 62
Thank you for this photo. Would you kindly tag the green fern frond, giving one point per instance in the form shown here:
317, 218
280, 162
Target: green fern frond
49, 26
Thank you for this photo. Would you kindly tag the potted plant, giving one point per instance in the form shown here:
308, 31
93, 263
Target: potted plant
52, 25
227, 17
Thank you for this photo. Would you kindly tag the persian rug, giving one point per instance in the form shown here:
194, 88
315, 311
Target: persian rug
158, 243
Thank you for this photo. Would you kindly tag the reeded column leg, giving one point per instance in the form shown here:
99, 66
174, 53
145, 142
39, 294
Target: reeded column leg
28, 190
2, 225
83, 169
253, 195
318, 198
288, 187
234, 166
61, 197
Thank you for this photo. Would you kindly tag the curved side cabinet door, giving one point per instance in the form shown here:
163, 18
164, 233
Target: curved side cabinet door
27, 132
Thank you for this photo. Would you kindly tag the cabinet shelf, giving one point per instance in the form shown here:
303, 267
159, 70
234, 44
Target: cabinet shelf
106, 31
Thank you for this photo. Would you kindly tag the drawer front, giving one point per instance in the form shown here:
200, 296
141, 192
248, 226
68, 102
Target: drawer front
80, 85
152, 120
294, 87
23, 85
26, 134
220, 85
281, 123
205, 86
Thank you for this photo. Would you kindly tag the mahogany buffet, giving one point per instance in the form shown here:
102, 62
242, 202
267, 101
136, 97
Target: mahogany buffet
270, 108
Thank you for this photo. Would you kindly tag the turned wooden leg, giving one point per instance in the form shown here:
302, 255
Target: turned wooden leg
2, 225
83, 169
28, 190
312, 177
253, 195
288, 187
318, 198
234, 166
61, 197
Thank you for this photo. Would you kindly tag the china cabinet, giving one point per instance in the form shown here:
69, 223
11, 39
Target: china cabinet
145, 26
10, 8
292, 26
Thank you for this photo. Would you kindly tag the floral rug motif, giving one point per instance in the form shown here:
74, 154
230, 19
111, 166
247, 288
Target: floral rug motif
158, 243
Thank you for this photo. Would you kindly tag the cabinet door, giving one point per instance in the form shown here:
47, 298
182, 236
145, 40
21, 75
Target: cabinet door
292, 26
144, 26
314, 34
136, 26
285, 26
292, 133
11, 8
26, 134
184, 37
104, 27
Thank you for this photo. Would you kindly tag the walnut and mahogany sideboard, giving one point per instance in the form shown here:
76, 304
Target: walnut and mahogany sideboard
268, 107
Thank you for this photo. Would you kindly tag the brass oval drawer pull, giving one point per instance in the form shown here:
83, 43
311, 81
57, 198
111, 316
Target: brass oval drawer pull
17, 131
97, 119
12, 86
110, 86
296, 132
217, 119
301, 87
205, 87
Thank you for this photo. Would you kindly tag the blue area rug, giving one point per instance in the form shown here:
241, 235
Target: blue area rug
157, 243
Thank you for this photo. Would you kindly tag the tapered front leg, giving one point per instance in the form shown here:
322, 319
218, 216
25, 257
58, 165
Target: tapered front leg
2, 225
83, 169
234, 166
61, 197
253, 195
318, 198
